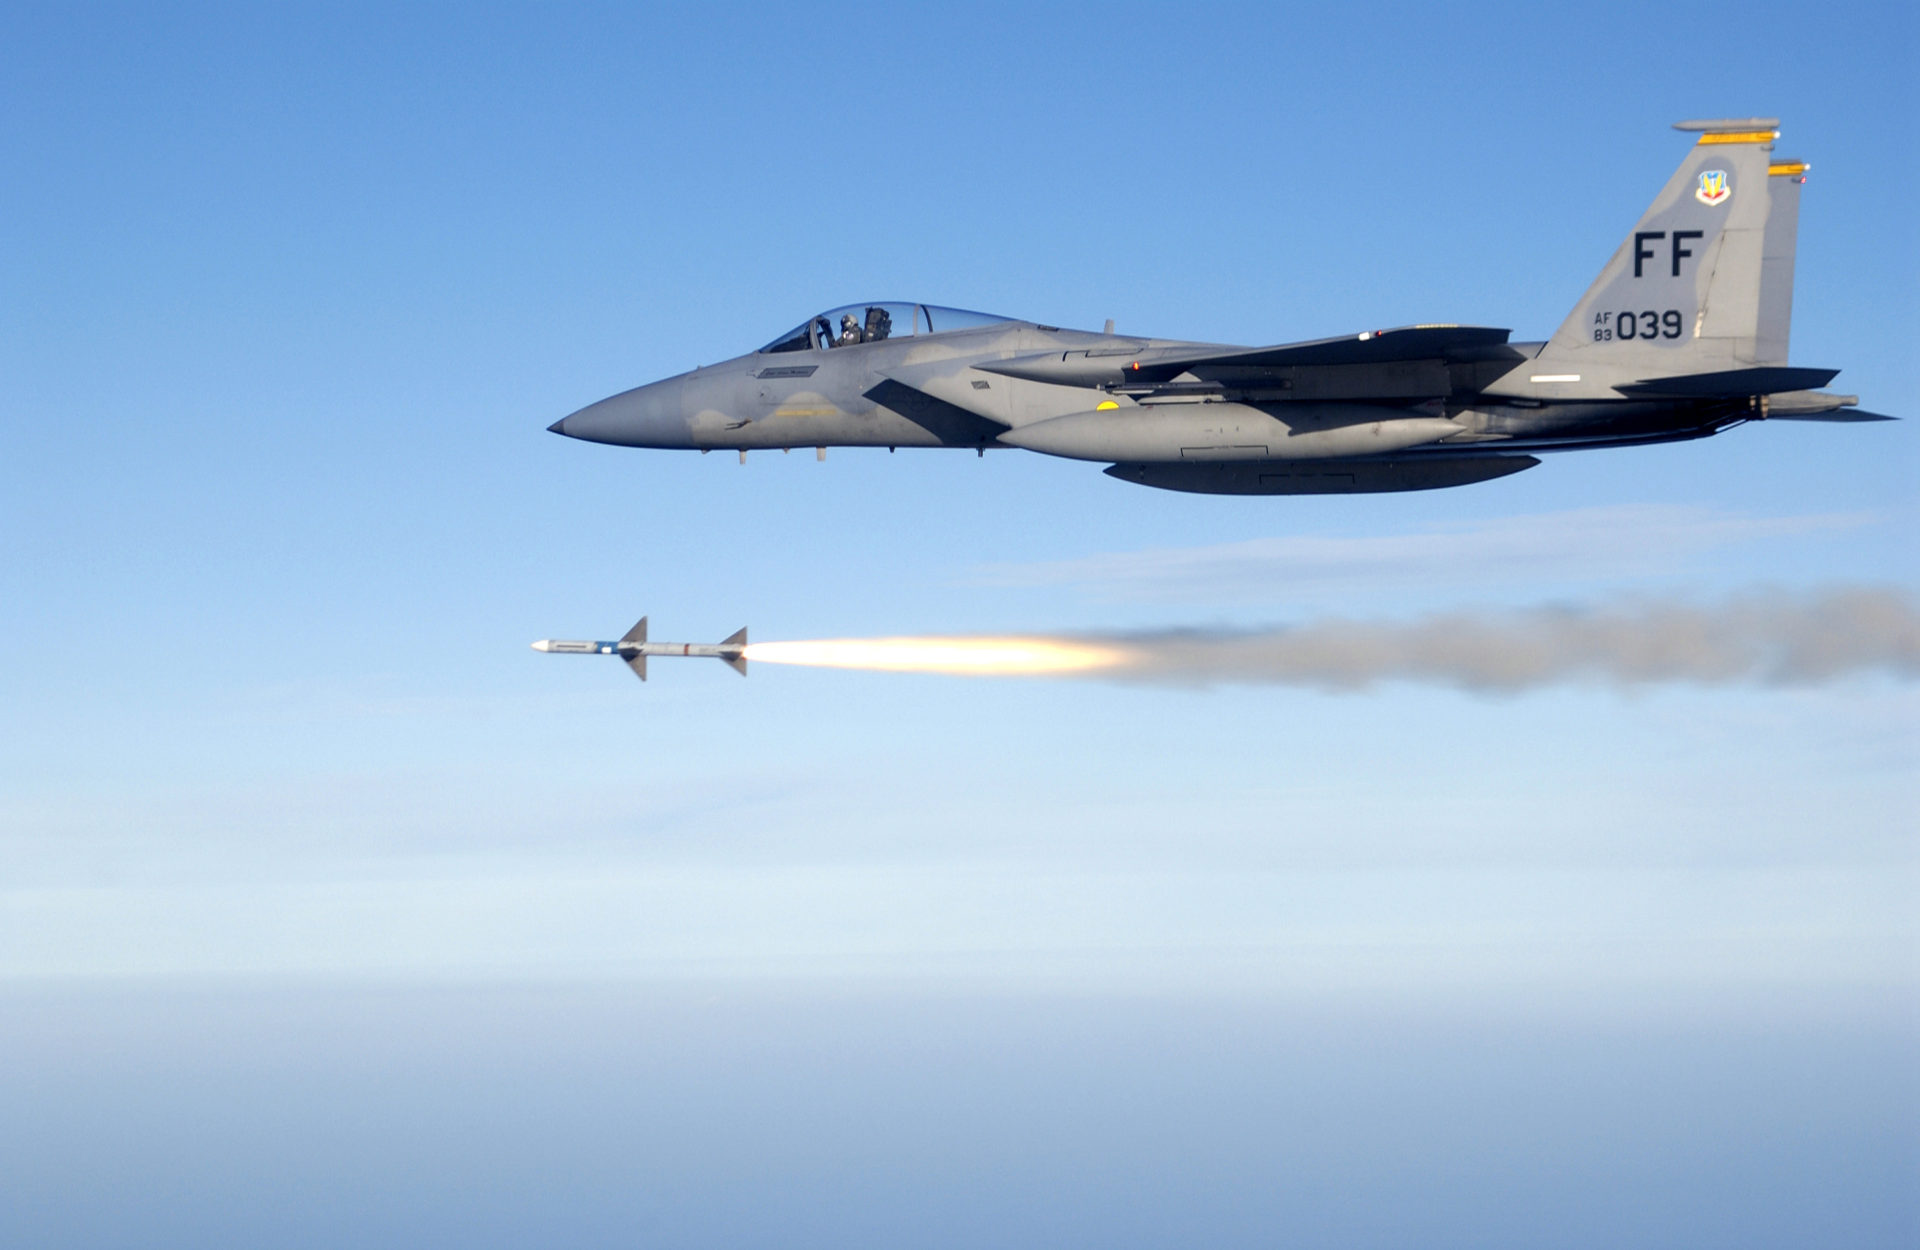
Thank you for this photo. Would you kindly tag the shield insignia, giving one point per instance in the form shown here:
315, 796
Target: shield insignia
1713, 188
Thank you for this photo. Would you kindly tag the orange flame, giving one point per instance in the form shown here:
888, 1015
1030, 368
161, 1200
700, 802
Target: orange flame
974, 657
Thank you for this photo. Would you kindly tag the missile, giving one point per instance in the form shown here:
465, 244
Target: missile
634, 648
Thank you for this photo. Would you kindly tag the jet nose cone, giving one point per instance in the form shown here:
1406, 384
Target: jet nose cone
647, 416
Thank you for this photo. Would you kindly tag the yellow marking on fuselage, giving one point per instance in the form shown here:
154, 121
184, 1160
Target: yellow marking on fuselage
806, 412
1104, 404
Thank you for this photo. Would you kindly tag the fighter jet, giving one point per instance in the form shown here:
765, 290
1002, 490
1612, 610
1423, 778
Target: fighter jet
1683, 335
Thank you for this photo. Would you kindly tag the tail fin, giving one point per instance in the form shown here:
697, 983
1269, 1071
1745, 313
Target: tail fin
1784, 180
738, 661
1702, 284
637, 662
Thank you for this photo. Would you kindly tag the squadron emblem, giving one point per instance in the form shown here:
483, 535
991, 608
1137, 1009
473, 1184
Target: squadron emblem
1713, 188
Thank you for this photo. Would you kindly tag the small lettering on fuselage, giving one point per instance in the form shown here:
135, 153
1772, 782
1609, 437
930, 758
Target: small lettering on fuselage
787, 371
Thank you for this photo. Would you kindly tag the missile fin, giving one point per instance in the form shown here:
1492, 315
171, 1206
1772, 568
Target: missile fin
638, 663
638, 633
738, 660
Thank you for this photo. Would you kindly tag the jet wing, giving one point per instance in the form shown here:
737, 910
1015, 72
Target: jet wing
1369, 347
1412, 362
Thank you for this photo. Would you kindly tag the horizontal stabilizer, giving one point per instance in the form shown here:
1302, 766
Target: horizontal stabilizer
1838, 414
1731, 383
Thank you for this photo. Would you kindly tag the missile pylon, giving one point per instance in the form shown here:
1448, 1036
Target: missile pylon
634, 648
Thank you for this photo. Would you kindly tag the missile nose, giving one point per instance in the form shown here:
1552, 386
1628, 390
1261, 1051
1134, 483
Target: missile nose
558, 427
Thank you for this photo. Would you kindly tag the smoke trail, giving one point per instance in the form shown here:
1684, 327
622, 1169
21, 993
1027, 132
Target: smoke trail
1773, 638
1770, 638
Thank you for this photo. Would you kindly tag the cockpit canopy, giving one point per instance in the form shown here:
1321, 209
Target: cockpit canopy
870, 323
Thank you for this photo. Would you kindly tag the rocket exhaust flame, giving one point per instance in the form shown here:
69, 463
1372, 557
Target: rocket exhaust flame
1769, 638
1018, 656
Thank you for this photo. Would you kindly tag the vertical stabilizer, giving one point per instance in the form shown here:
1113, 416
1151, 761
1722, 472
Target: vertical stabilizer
1702, 283
1784, 180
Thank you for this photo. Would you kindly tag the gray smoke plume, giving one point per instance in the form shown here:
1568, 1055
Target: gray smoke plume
1770, 638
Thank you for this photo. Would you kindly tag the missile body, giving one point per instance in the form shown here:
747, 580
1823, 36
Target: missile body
634, 648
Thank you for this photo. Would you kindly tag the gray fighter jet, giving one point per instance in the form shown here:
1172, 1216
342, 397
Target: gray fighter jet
1684, 334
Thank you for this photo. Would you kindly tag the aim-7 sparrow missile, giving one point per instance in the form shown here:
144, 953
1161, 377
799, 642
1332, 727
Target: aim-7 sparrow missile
634, 648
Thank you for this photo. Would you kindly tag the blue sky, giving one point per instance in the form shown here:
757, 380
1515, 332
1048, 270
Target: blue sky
311, 861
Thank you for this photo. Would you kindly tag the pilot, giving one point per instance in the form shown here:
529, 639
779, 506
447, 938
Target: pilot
849, 330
